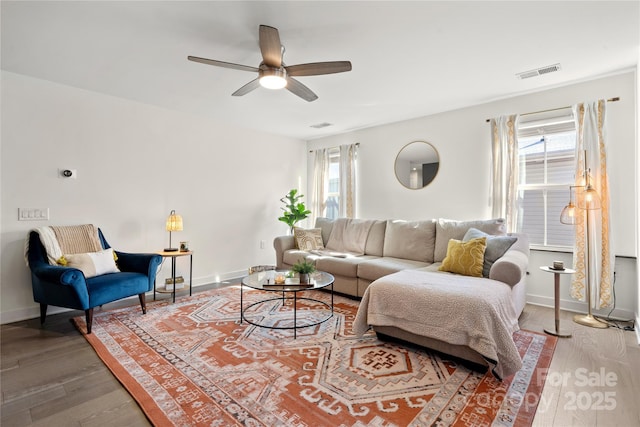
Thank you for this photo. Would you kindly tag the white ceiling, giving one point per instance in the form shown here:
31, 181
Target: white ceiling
409, 59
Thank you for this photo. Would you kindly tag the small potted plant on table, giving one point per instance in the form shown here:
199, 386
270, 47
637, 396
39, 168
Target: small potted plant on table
303, 268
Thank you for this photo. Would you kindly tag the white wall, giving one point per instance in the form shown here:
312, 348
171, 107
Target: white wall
461, 190
135, 163
638, 197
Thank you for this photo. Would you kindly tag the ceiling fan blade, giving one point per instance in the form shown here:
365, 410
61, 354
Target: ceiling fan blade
318, 68
253, 84
222, 64
270, 46
301, 90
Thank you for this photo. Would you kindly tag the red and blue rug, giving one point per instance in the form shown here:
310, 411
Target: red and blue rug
193, 363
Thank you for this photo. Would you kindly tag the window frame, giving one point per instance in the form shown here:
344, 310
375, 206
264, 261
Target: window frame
544, 126
333, 156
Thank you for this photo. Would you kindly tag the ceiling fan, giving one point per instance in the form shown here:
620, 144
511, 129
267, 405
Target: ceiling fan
273, 73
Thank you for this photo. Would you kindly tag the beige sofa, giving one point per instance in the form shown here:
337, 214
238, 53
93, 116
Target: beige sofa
394, 245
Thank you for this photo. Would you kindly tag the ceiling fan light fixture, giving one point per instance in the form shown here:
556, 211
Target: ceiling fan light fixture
273, 78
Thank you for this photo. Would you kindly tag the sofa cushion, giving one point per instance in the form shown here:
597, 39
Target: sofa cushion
376, 268
465, 258
293, 256
347, 267
349, 235
375, 240
326, 225
496, 247
447, 229
411, 240
308, 239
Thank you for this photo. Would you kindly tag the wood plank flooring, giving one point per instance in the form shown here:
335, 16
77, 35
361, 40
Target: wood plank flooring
52, 377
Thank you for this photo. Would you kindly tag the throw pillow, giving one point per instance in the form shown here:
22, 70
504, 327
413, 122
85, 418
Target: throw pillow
465, 258
496, 247
91, 263
447, 229
308, 239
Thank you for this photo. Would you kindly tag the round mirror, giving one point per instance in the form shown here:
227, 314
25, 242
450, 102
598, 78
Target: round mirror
417, 164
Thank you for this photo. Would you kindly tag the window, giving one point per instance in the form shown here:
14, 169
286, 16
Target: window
546, 150
334, 182
332, 206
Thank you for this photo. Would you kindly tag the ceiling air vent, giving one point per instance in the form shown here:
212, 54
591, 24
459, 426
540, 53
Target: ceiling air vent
321, 125
539, 71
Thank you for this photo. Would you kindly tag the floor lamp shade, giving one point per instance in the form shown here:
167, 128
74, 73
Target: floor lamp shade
568, 214
588, 201
174, 223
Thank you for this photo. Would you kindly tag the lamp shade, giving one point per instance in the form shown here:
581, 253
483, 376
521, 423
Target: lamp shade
174, 222
589, 199
568, 214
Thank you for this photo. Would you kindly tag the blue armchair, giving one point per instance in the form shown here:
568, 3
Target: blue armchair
67, 287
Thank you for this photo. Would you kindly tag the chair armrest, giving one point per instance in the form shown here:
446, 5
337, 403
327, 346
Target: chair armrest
67, 276
60, 286
282, 244
146, 264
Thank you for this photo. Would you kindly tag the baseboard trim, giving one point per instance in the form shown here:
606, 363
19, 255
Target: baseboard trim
580, 307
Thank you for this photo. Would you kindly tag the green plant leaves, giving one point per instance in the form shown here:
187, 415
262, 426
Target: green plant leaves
294, 209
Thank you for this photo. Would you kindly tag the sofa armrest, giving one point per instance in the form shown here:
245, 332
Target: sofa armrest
282, 244
512, 266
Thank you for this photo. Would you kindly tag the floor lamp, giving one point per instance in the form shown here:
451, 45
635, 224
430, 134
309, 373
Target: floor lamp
588, 202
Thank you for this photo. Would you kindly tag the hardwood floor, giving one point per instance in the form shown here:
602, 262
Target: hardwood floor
52, 377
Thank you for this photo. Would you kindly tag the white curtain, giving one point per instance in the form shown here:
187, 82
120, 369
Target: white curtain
590, 144
504, 195
320, 182
348, 155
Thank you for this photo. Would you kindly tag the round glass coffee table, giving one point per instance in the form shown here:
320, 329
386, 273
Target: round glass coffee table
264, 281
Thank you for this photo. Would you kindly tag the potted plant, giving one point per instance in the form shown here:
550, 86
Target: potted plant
303, 268
294, 209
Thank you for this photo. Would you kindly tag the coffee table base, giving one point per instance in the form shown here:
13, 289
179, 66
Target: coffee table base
295, 299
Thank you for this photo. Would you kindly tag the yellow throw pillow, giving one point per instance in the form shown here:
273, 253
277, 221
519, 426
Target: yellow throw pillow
466, 258
308, 240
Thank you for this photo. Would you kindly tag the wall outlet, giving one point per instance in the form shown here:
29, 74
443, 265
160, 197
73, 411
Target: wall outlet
262, 243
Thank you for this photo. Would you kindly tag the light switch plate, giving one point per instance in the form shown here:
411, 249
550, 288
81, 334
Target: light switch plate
33, 214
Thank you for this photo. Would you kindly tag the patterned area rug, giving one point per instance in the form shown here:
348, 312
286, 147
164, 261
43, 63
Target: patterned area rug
193, 363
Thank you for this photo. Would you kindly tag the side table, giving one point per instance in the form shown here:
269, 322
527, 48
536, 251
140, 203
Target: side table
174, 255
556, 275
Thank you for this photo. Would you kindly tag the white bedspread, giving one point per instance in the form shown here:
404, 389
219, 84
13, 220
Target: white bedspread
469, 311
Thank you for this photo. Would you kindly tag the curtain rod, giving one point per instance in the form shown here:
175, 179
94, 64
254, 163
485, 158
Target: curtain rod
357, 145
614, 99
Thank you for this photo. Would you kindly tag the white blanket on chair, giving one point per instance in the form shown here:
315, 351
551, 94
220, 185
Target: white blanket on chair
73, 239
460, 310
50, 243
